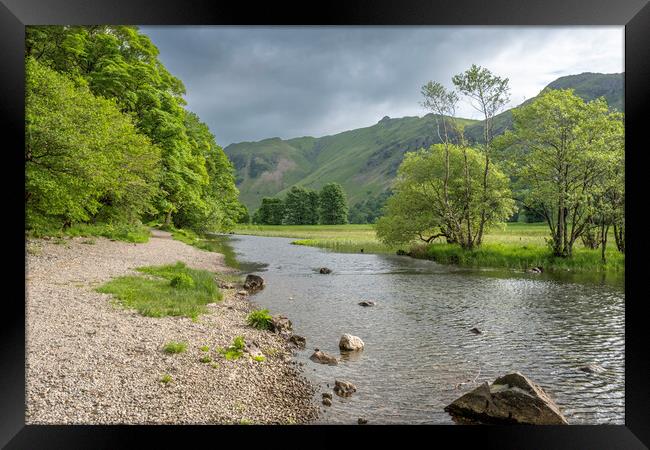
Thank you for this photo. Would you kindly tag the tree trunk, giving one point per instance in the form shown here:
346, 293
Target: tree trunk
168, 218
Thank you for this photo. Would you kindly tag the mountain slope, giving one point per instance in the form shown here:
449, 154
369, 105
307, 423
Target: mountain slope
365, 160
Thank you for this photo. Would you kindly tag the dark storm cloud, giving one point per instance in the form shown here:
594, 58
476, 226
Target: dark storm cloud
251, 83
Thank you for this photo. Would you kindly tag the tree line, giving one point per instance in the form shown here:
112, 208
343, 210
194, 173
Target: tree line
563, 162
302, 206
108, 137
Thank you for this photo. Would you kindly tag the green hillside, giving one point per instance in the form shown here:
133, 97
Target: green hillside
365, 160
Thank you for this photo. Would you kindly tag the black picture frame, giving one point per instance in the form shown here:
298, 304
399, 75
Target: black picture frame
16, 14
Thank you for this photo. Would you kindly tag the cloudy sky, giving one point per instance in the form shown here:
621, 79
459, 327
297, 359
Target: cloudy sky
252, 83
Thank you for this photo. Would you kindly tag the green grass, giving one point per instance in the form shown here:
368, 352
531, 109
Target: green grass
205, 348
235, 350
120, 232
513, 246
154, 296
350, 238
210, 243
205, 359
260, 319
259, 358
166, 378
175, 347
521, 257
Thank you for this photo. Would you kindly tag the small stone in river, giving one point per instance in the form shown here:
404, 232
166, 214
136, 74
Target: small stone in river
327, 394
253, 282
475, 330
367, 303
344, 388
327, 402
323, 358
592, 368
325, 270
350, 343
362, 421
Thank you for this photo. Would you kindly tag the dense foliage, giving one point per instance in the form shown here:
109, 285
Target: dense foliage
369, 209
305, 207
118, 143
571, 165
565, 161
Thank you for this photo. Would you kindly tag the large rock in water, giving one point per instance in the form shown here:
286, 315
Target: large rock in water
512, 398
350, 343
253, 282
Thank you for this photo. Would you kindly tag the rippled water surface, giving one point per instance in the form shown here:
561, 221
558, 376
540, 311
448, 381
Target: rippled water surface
417, 340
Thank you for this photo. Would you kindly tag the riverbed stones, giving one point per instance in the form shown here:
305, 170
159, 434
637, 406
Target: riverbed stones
324, 270
349, 343
327, 401
367, 303
327, 395
344, 388
323, 358
253, 282
280, 325
298, 341
512, 398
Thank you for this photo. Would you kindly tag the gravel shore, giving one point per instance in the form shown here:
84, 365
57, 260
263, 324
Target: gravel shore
90, 361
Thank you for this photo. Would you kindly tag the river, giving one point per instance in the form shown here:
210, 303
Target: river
418, 346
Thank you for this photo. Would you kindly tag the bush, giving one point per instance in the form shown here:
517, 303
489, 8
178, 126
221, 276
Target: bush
236, 350
260, 319
175, 347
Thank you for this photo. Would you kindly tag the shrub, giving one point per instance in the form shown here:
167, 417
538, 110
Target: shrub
166, 378
260, 319
236, 350
175, 347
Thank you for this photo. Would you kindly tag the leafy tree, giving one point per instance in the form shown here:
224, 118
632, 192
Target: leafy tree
298, 207
568, 152
369, 209
84, 159
489, 94
333, 205
271, 212
313, 202
421, 209
118, 62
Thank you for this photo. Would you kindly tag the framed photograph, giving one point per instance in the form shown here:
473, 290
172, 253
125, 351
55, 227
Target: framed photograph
242, 221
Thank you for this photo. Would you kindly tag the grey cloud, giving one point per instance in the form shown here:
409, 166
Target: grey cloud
250, 83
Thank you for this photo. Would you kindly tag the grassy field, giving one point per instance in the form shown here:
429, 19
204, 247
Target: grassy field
515, 245
172, 290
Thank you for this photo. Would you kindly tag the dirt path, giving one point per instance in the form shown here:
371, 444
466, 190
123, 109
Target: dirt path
90, 361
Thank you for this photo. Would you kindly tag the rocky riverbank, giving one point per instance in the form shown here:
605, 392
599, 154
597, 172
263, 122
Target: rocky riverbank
89, 361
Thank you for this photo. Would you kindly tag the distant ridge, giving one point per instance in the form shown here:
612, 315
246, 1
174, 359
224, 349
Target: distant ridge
365, 160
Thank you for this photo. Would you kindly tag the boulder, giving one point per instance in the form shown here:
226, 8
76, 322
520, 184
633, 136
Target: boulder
253, 282
512, 398
298, 341
362, 421
367, 303
324, 270
475, 330
327, 395
280, 324
344, 388
323, 358
350, 343
327, 402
